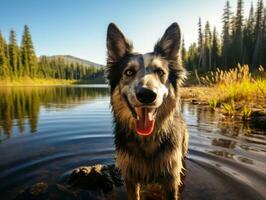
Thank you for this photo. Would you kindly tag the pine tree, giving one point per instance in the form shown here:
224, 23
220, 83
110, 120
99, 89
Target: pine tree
258, 33
200, 36
4, 72
237, 35
72, 69
259, 17
14, 54
226, 34
206, 56
200, 45
191, 61
215, 50
239, 16
248, 37
28, 57
242, 41
20, 67
183, 51
264, 40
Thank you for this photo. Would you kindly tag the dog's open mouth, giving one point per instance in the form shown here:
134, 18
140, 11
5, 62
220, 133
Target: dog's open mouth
145, 120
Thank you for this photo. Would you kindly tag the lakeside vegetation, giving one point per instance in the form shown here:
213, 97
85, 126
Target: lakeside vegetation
237, 85
19, 63
28, 81
234, 92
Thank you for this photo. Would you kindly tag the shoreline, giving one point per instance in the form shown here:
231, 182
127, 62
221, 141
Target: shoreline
201, 95
26, 81
31, 82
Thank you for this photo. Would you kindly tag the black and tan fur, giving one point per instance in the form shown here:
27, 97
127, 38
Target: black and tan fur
157, 158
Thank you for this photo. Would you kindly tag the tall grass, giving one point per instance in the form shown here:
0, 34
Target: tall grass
237, 86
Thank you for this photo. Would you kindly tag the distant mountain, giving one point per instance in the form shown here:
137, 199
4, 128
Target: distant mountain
70, 58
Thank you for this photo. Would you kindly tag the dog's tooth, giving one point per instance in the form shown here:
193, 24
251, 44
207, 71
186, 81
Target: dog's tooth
138, 111
150, 115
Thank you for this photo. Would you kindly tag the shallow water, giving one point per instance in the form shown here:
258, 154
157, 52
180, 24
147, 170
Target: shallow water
45, 132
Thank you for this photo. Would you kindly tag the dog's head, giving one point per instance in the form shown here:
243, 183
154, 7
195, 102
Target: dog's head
143, 86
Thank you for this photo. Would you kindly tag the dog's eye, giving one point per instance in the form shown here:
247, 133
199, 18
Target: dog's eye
129, 72
160, 72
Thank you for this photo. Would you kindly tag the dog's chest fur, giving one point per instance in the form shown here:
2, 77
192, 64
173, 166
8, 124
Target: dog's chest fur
150, 159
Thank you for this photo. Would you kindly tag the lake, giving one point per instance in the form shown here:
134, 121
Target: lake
46, 132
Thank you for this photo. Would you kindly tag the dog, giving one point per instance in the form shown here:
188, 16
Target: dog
151, 138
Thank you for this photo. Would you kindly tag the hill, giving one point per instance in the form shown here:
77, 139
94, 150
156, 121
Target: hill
70, 67
73, 59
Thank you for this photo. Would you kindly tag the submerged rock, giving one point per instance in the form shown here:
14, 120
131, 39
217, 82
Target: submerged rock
97, 177
258, 119
98, 182
107, 178
36, 191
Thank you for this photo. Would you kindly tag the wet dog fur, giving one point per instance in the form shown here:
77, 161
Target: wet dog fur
157, 157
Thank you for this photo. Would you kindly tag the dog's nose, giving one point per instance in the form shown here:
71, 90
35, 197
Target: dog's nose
145, 95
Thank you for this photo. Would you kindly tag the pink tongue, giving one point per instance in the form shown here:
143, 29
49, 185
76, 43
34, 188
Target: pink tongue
145, 122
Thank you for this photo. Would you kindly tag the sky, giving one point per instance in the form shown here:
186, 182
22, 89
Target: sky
78, 27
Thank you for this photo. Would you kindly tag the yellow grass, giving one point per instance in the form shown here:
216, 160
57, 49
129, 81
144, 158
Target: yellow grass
238, 85
235, 91
27, 81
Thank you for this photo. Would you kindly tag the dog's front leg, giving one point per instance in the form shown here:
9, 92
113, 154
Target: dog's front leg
171, 188
172, 193
133, 190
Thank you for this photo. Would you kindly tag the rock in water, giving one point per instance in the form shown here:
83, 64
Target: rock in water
97, 177
98, 182
258, 119
36, 191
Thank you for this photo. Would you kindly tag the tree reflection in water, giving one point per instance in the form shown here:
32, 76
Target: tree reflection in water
19, 105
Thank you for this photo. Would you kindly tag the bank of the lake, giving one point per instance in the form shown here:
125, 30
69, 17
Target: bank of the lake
27, 81
237, 93
245, 110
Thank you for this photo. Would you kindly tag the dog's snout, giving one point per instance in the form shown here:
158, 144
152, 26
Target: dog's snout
145, 95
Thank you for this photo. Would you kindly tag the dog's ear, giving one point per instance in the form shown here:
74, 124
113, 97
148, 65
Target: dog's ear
117, 44
169, 45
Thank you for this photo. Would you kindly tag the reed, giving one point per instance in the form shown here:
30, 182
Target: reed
245, 112
213, 103
237, 88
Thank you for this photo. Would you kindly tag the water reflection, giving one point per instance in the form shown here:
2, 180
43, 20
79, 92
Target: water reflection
228, 147
212, 134
204, 116
224, 143
19, 105
246, 160
223, 154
